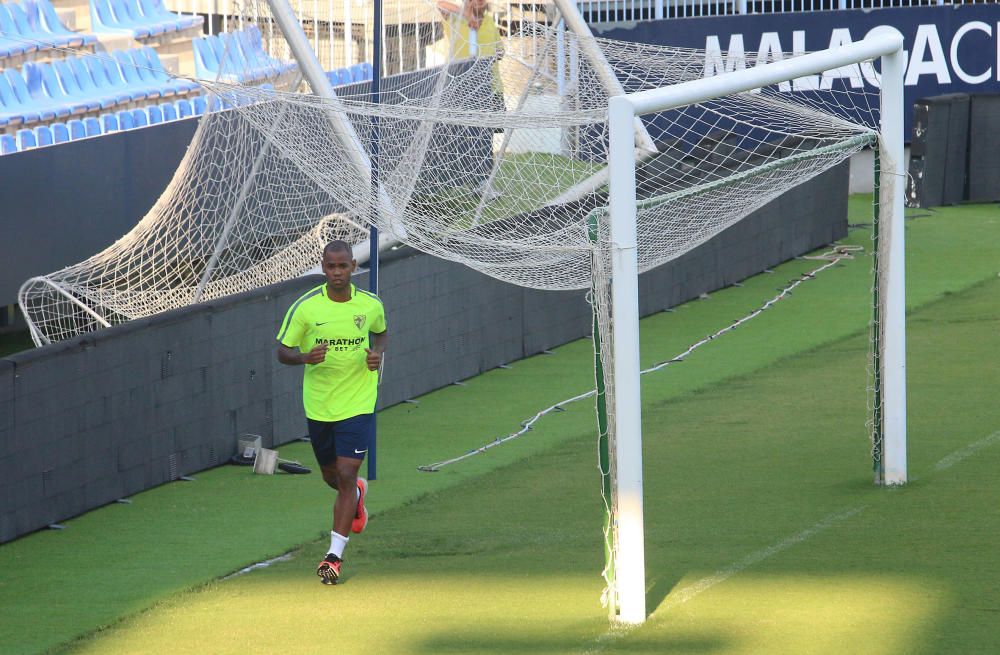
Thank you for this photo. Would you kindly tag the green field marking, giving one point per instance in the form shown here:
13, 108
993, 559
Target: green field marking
123, 560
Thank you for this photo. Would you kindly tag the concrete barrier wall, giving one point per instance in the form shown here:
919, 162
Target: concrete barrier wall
97, 418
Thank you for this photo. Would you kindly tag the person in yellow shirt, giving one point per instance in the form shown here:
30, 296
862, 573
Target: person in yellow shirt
471, 32
338, 333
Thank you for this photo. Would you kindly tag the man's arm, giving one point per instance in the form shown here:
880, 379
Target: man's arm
380, 340
293, 357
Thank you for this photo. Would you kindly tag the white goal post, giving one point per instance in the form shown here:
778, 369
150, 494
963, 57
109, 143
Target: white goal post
623, 112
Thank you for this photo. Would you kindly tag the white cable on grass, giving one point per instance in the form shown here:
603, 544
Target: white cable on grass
833, 257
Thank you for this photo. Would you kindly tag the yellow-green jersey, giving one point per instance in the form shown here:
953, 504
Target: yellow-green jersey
341, 386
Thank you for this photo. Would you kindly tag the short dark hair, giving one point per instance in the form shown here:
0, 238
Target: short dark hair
338, 245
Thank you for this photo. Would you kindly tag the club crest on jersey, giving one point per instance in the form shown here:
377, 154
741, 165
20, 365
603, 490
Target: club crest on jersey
359, 320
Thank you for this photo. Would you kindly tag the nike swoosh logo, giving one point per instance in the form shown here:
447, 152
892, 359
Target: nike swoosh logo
360, 452
323, 323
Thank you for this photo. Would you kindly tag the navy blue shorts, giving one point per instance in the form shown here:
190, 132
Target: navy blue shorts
348, 438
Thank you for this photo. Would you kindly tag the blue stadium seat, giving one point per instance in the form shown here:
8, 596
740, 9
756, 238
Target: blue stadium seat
233, 64
60, 84
107, 96
139, 118
255, 59
52, 23
25, 139
14, 111
43, 136
343, 76
109, 123
125, 120
16, 45
155, 9
367, 70
42, 85
77, 130
126, 68
358, 73
104, 71
33, 31
57, 34
142, 70
60, 133
198, 105
184, 108
92, 125
160, 74
45, 110
127, 13
256, 42
155, 114
8, 144
104, 20
169, 111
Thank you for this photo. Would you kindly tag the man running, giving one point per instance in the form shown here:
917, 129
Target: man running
338, 333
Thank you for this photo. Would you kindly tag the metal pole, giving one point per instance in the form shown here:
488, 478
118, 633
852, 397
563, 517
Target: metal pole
894, 355
630, 567
373, 232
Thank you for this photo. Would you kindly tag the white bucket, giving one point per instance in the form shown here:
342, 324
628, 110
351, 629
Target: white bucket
265, 462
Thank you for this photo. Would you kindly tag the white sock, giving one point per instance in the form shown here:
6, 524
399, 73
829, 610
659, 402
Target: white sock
338, 543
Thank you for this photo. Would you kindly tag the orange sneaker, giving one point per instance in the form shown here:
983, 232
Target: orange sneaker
361, 516
329, 569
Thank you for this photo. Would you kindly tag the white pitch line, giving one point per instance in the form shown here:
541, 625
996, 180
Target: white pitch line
262, 565
703, 585
967, 452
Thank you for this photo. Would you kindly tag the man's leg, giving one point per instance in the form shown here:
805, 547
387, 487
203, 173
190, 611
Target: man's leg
342, 474
347, 494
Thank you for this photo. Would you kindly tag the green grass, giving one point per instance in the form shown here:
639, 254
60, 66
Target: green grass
754, 439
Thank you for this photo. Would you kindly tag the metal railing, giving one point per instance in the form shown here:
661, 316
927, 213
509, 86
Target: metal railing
341, 30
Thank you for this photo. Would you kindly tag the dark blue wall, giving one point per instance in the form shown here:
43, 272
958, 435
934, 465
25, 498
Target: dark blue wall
61, 204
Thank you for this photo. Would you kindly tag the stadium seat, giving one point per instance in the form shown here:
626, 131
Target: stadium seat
342, 75
169, 111
104, 20
109, 123
160, 74
42, 109
43, 136
15, 112
25, 139
32, 31
92, 125
125, 120
184, 109
367, 70
140, 65
60, 133
41, 82
17, 44
256, 42
198, 105
125, 66
77, 130
53, 24
139, 118
56, 34
358, 73
61, 84
155, 114
107, 96
106, 75
8, 144
127, 13
155, 9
